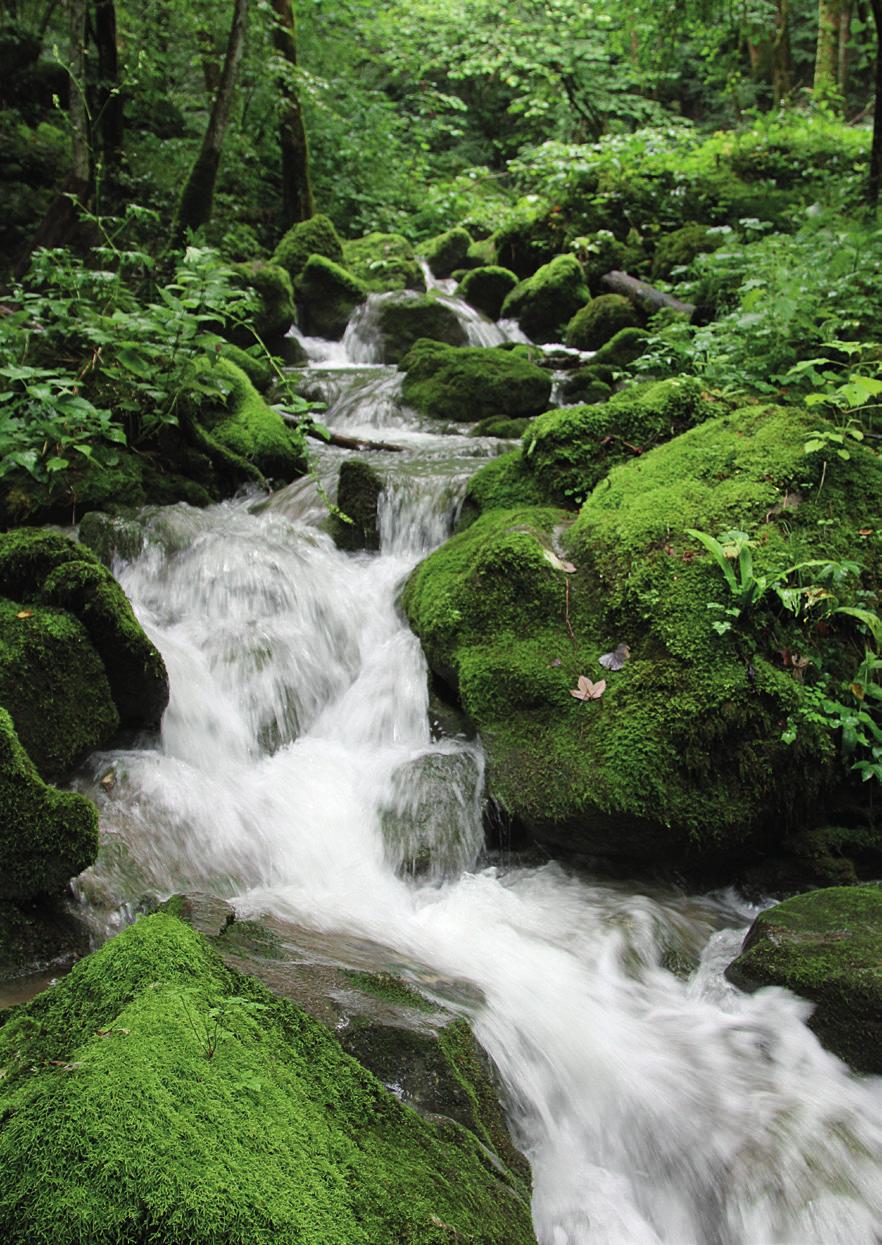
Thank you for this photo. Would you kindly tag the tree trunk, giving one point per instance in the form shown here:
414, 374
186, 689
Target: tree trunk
876, 149
827, 49
198, 194
297, 201
110, 101
844, 33
62, 215
646, 298
782, 66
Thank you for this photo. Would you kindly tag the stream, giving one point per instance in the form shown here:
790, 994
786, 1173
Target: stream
297, 776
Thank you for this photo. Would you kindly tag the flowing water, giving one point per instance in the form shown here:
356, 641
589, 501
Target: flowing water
297, 775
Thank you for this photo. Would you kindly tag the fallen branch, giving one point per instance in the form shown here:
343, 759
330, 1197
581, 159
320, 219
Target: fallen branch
353, 443
645, 297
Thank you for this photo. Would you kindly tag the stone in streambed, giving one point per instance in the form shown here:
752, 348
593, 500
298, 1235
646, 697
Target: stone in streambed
487, 289
402, 319
543, 303
358, 497
327, 295
383, 262
473, 383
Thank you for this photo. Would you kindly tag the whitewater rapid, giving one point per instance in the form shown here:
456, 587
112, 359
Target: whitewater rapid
655, 1108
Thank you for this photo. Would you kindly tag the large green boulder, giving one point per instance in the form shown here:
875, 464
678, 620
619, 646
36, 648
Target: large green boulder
383, 261
601, 320
682, 758
546, 301
275, 293
253, 437
487, 289
473, 383
159, 1087
402, 319
826, 946
327, 295
448, 252
569, 451
316, 236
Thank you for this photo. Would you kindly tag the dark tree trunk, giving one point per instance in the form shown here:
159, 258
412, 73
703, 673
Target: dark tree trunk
198, 194
876, 149
782, 67
110, 101
62, 216
297, 204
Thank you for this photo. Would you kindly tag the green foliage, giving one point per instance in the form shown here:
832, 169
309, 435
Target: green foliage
152, 1047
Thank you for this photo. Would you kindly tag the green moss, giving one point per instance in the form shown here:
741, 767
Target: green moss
679, 249
251, 430
383, 261
255, 366
390, 989
109, 1088
682, 758
275, 313
487, 289
503, 484
46, 836
447, 252
570, 450
544, 302
584, 387
316, 236
497, 426
54, 686
358, 496
404, 318
621, 349
826, 946
597, 323
326, 297
466, 384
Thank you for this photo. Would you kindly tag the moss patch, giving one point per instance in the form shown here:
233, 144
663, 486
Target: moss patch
544, 302
826, 946
316, 236
601, 320
110, 1088
472, 383
250, 430
383, 261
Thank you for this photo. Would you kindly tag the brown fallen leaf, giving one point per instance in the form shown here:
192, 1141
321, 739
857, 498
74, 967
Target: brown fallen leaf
25, 614
617, 658
586, 690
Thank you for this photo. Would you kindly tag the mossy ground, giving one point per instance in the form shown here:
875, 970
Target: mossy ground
826, 946
152, 1048
682, 757
472, 383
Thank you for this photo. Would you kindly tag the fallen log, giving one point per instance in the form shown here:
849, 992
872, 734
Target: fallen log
353, 443
645, 297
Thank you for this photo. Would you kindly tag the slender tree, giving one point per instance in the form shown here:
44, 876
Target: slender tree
297, 201
782, 65
827, 48
109, 111
876, 149
198, 194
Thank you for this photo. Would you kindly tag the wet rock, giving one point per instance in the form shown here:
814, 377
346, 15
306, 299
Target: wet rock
601, 320
358, 496
327, 295
447, 252
827, 947
487, 289
383, 261
111, 537
473, 383
544, 302
432, 823
402, 319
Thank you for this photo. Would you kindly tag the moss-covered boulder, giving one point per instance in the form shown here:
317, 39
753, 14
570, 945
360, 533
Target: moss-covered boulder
447, 252
253, 437
546, 301
679, 249
598, 322
254, 364
826, 946
327, 295
569, 451
46, 836
275, 292
621, 350
487, 289
505, 483
402, 319
470, 383
59, 663
681, 757
358, 497
383, 261
125, 1076
583, 386
316, 236
499, 426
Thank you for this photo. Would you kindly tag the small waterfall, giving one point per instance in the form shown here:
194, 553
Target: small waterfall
296, 775
444, 285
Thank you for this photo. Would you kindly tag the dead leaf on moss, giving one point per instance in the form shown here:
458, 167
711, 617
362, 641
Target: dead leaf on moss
586, 690
617, 658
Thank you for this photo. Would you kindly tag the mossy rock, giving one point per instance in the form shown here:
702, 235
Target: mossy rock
471, 383
111, 537
402, 319
498, 426
505, 483
582, 386
327, 295
622, 349
600, 253
250, 431
681, 761
598, 322
447, 252
358, 496
275, 312
114, 1079
316, 236
482, 254
569, 451
546, 301
827, 947
487, 289
528, 241
383, 262
680, 248
255, 365
46, 836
